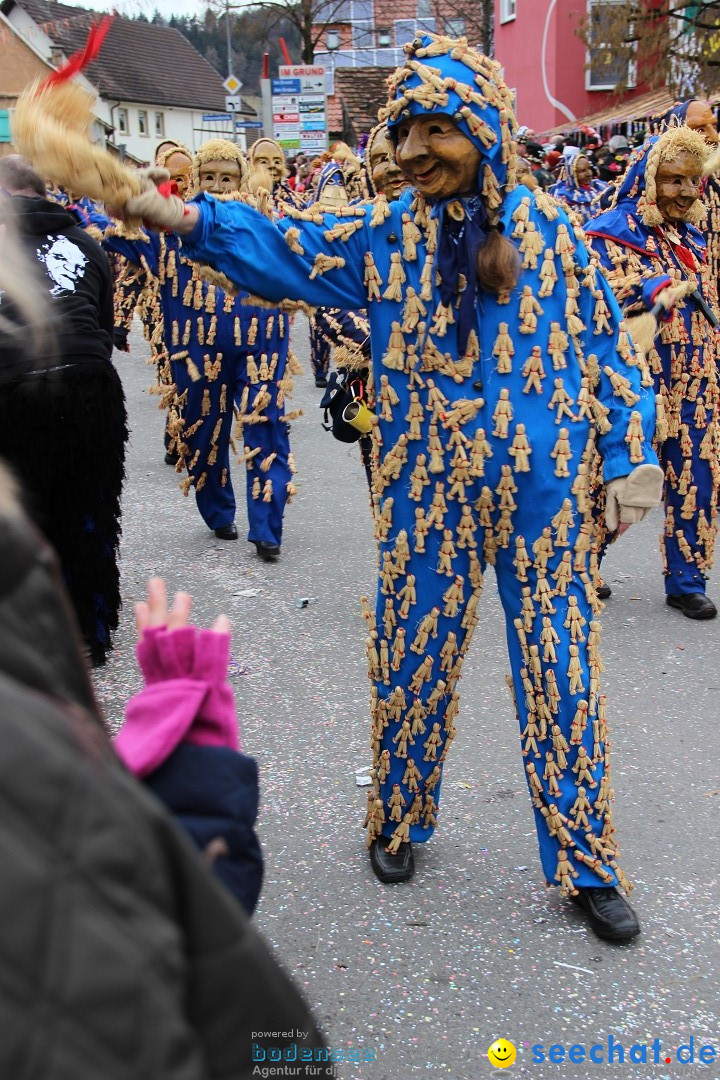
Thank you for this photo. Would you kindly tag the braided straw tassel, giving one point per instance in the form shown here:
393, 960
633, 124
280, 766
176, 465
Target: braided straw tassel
51, 127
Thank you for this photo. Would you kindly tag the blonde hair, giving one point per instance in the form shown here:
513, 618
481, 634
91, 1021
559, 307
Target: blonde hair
498, 264
51, 127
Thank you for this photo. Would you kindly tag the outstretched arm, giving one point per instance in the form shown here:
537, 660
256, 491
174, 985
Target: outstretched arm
308, 256
294, 259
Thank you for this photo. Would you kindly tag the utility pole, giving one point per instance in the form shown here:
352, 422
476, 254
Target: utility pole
230, 71
229, 38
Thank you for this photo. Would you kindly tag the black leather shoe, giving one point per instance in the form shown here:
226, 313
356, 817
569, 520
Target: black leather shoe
604, 592
320, 380
609, 914
227, 532
267, 552
695, 605
171, 459
391, 869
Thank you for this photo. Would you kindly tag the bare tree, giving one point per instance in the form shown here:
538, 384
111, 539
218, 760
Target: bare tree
671, 43
473, 19
309, 17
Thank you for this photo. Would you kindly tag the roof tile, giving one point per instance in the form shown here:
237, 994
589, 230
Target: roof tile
362, 92
140, 61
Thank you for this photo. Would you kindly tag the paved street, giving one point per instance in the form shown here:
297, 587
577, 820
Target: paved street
429, 974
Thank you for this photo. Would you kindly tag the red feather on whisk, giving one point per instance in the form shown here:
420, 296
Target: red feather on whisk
80, 60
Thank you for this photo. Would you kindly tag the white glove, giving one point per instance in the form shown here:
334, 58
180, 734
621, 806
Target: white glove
628, 498
165, 211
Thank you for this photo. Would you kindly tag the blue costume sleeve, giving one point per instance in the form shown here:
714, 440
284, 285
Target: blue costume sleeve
141, 250
289, 260
609, 351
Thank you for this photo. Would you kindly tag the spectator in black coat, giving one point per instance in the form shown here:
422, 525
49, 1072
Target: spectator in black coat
63, 425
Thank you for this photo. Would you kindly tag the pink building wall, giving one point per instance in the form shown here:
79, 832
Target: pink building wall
544, 62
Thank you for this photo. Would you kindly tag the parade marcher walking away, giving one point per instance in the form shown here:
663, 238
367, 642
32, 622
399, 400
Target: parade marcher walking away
223, 354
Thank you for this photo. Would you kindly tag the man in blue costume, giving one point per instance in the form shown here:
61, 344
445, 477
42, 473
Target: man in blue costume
653, 253
267, 156
483, 451
577, 189
699, 116
383, 175
222, 353
330, 327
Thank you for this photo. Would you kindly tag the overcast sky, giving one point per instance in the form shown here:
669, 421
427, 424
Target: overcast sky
145, 7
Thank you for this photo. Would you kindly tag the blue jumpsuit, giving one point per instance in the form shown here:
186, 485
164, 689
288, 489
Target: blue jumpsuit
482, 460
223, 355
683, 362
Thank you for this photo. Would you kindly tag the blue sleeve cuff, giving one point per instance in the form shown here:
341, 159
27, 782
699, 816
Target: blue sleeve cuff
616, 460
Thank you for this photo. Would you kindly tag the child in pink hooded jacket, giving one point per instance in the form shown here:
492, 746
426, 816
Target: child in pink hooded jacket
181, 738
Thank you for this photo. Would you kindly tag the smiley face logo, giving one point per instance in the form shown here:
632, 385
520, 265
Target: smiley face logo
501, 1054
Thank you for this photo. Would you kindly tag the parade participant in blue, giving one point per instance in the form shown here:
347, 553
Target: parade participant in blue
354, 175
577, 188
384, 177
483, 450
137, 291
654, 254
134, 288
331, 327
347, 332
223, 354
268, 155
699, 116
